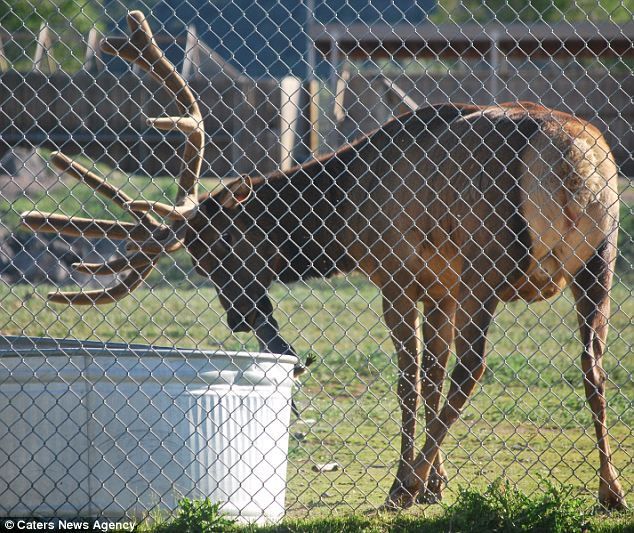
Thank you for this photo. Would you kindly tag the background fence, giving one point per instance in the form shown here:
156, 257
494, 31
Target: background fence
273, 92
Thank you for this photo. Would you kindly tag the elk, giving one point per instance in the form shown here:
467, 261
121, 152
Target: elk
457, 206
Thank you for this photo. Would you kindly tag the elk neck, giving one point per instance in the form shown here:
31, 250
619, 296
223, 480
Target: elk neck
305, 210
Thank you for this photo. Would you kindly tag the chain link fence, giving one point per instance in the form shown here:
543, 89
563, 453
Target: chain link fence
317, 171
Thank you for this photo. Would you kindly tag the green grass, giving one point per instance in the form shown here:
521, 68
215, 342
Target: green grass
528, 420
194, 516
500, 508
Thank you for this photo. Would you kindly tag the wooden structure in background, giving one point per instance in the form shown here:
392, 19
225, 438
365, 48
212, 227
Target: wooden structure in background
102, 114
475, 41
506, 63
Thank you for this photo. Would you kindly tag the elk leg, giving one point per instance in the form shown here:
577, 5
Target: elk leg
402, 319
591, 289
475, 311
438, 333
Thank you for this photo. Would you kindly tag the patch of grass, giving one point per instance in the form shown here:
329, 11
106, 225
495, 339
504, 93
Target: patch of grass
529, 418
504, 509
194, 516
382, 523
626, 233
500, 508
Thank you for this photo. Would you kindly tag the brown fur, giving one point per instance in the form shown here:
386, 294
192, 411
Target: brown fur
456, 206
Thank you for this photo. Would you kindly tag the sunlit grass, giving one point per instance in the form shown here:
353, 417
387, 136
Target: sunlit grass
499, 507
528, 419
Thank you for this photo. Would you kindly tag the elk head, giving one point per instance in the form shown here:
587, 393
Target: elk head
238, 253
147, 238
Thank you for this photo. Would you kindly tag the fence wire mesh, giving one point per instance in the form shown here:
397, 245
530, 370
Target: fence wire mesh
345, 182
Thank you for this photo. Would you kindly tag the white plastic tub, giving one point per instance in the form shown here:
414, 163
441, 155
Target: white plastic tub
113, 431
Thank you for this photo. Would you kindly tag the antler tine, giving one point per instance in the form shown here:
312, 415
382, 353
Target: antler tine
99, 185
152, 242
105, 296
141, 49
136, 261
84, 227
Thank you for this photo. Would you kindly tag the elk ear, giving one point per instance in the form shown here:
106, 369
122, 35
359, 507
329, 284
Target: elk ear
236, 192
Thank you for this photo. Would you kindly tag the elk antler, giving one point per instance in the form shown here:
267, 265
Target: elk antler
147, 238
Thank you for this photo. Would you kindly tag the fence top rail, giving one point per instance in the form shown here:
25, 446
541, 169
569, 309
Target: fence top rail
564, 38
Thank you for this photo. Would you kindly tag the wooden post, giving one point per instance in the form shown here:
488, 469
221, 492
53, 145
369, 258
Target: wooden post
251, 154
191, 61
4, 64
340, 94
313, 116
93, 51
313, 83
494, 64
335, 61
290, 91
42, 50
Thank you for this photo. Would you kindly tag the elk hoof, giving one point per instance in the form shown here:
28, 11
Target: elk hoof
400, 498
612, 498
433, 490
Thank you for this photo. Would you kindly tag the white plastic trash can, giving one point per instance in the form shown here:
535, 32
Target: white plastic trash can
112, 430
